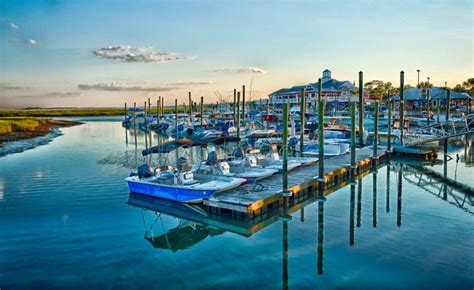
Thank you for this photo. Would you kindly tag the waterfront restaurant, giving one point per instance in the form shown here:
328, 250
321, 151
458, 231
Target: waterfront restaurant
333, 91
417, 97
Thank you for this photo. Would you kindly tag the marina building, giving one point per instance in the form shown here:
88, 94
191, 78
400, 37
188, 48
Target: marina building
332, 91
416, 97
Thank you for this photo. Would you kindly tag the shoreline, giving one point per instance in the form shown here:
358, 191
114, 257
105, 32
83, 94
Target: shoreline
45, 127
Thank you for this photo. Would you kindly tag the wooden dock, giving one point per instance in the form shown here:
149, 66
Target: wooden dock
246, 203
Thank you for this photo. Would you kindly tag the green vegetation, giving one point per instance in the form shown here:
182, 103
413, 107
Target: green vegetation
8, 125
79, 112
63, 112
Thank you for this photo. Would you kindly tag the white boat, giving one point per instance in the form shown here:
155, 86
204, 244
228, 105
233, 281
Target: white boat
182, 186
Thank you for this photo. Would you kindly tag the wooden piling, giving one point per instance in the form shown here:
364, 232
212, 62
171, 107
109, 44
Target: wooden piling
201, 110
321, 142
353, 138
190, 105
238, 115
149, 106
302, 119
402, 106
243, 104
285, 149
126, 112
448, 109
376, 131
361, 109
176, 119
235, 104
267, 109
135, 122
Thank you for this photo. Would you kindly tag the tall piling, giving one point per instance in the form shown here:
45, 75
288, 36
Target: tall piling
149, 106
302, 119
376, 132
238, 116
126, 131
285, 152
145, 127
243, 104
190, 105
267, 109
176, 119
135, 122
448, 111
402, 106
234, 105
201, 112
321, 142
361, 109
353, 139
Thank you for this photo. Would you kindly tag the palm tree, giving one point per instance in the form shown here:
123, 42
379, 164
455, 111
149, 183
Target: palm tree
469, 86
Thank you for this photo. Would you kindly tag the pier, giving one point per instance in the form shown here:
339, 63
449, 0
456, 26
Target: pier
246, 202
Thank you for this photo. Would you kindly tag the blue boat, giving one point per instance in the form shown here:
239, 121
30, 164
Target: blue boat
181, 186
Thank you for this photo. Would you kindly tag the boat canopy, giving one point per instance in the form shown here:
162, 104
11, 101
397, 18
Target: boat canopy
172, 145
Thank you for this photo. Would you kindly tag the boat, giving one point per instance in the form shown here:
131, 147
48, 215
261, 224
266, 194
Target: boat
246, 168
182, 185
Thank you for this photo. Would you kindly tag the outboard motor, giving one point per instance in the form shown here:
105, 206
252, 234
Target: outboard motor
145, 171
239, 152
211, 158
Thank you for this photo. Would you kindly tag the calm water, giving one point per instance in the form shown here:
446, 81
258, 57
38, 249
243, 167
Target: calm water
65, 222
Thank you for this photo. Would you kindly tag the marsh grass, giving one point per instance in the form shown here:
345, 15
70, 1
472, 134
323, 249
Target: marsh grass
17, 124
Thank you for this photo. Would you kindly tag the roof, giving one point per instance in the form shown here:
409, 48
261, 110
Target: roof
327, 85
435, 94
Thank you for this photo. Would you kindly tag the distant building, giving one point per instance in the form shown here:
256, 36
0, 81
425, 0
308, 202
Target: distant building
415, 97
332, 91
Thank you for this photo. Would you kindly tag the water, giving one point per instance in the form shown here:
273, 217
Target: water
65, 222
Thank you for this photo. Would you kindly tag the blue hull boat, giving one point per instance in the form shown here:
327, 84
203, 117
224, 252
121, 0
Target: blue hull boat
192, 193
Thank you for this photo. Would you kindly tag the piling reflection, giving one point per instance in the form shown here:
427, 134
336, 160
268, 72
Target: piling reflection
351, 220
320, 233
195, 225
374, 200
399, 196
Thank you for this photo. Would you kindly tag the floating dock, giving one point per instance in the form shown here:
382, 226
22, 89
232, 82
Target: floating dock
246, 203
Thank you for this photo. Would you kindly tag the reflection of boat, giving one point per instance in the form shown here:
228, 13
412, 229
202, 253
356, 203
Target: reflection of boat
182, 236
179, 185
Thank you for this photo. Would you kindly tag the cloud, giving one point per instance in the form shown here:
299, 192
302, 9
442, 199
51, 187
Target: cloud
31, 41
190, 83
249, 69
125, 87
13, 25
115, 86
8, 87
59, 94
137, 54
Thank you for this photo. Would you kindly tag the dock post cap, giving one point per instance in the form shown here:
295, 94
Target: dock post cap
353, 182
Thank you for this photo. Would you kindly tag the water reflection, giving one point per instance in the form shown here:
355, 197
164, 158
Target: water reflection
194, 224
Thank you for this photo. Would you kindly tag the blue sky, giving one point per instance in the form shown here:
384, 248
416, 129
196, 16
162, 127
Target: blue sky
47, 47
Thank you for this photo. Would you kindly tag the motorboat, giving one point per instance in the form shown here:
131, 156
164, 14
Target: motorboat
178, 184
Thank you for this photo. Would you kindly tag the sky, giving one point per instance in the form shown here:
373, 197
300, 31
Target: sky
85, 53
